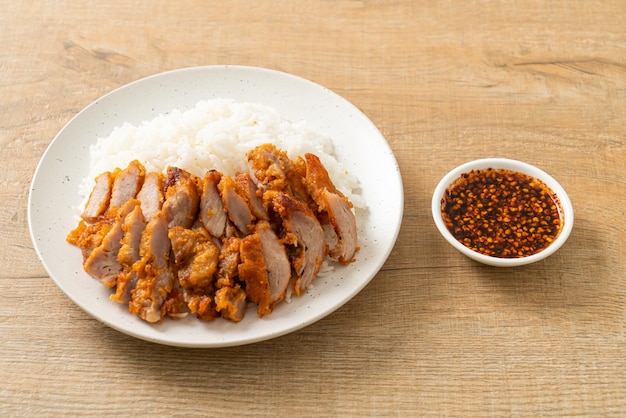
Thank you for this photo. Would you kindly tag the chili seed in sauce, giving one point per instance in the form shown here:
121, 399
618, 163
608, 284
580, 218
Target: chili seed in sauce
502, 213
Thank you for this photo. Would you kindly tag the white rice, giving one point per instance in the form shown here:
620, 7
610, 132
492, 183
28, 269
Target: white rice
215, 134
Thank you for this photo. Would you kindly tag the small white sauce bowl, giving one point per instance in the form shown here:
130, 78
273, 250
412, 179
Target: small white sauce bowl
513, 165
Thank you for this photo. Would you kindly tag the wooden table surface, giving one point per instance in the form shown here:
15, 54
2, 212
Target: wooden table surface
434, 333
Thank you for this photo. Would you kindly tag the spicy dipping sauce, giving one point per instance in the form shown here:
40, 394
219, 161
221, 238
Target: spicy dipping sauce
502, 213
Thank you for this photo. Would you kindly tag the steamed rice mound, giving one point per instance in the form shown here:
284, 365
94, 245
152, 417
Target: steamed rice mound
215, 134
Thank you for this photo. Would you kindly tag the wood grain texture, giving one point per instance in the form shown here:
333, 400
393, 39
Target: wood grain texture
434, 333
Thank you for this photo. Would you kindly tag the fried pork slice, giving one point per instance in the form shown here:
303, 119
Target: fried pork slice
236, 207
156, 277
332, 240
181, 198
253, 271
196, 258
126, 185
98, 201
151, 194
251, 194
336, 206
228, 261
102, 263
212, 213
270, 166
295, 178
133, 227
276, 262
275, 171
231, 302
126, 282
88, 237
310, 245
174, 305
344, 223
230, 299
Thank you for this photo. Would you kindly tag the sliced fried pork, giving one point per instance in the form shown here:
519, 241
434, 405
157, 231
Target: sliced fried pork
236, 207
126, 185
276, 262
98, 201
181, 198
332, 240
175, 243
270, 166
102, 262
151, 194
212, 213
251, 194
156, 277
126, 282
295, 180
344, 223
253, 272
174, 305
133, 227
230, 299
275, 171
337, 208
87, 237
231, 302
228, 261
311, 248
196, 258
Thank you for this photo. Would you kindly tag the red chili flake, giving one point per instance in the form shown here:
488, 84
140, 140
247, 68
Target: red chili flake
502, 213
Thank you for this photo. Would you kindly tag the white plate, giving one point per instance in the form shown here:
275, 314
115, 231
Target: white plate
359, 146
